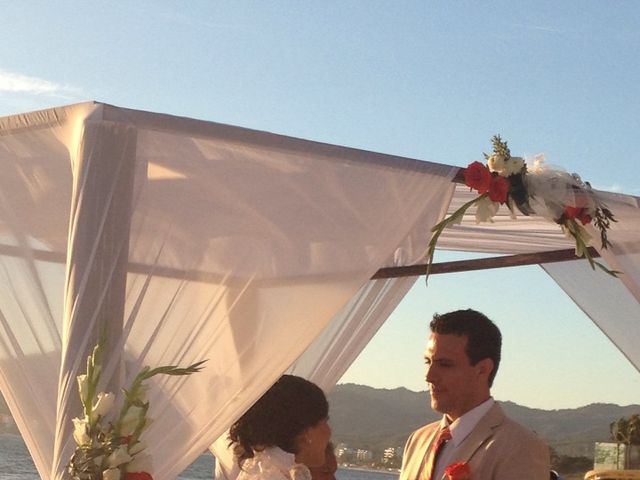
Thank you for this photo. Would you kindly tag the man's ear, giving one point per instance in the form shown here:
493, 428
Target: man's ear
485, 367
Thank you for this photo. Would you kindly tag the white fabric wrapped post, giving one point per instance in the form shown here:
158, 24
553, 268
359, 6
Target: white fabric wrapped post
97, 261
35, 193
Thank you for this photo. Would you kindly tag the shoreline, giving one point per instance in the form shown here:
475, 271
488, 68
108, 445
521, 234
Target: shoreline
369, 469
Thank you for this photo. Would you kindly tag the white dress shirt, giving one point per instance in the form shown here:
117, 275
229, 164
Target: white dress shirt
460, 429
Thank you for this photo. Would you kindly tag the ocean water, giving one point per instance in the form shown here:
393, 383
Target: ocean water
16, 464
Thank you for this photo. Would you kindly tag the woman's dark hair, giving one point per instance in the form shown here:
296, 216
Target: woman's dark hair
483, 336
287, 409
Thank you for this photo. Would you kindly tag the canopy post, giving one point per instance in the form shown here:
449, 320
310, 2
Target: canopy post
96, 271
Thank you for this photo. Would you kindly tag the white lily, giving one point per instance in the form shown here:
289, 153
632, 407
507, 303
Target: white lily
81, 431
104, 403
83, 386
119, 456
111, 474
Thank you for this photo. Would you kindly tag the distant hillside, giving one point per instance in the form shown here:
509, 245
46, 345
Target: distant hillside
372, 418
375, 419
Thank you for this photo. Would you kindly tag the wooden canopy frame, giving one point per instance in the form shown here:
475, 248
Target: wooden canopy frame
481, 263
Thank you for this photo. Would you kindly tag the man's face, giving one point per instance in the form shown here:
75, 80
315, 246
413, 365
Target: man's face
456, 386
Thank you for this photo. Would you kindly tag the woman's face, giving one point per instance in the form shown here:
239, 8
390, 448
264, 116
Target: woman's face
328, 470
312, 444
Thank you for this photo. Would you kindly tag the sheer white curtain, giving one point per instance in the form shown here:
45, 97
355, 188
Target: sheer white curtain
612, 303
334, 350
190, 240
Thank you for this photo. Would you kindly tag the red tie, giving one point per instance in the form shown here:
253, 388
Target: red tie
436, 446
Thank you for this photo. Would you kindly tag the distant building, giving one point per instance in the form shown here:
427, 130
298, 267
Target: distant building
392, 457
616, 456
364, 455
342, 450
391, 453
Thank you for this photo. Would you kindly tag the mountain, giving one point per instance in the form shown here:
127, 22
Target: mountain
374, 419
366, 417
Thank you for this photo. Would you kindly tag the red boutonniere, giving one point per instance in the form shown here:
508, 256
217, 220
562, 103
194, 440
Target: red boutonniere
458, 471
138, 476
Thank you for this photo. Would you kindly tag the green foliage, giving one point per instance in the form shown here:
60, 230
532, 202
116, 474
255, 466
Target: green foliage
626, 430
499, 148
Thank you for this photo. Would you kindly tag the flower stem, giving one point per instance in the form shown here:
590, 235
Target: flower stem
455, 217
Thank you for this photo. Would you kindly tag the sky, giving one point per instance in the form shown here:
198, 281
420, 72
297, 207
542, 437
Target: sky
422, 79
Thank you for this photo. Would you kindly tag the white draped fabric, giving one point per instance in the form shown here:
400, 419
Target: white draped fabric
613, 304
189, 240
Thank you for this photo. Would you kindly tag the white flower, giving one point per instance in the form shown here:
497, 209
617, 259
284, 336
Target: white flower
485, 210
81, 431
118, 457
505, 167
496, 163
111, 474
132, 418
104, 403
513, 166
140, 463
538, 164
83, 385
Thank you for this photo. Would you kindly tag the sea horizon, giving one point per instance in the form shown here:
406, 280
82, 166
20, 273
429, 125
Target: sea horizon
16, 464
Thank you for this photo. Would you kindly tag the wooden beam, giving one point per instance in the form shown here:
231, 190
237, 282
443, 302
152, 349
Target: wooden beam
389, 272
482, 263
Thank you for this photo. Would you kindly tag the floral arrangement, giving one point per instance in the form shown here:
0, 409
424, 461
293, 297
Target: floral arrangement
458, 471
552, 194
108, 444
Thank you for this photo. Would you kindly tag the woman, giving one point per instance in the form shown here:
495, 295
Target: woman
284, 433
326, 471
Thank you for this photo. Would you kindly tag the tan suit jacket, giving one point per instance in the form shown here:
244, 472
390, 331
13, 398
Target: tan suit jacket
497, 449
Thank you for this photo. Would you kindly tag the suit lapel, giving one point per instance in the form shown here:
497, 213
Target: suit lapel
421, 451
479, 435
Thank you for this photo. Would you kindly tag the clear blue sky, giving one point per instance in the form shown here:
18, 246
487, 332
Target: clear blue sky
428, 80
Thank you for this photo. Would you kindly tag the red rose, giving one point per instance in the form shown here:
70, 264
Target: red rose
458, 471
572, 212
138, 476
498, 189
577, 212
478, 177
585, 218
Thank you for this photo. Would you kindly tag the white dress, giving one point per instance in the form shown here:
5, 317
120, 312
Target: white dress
273, 463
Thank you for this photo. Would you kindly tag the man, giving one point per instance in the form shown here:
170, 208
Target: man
462, 358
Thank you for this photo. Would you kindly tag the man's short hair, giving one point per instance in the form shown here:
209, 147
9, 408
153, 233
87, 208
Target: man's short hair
483, 336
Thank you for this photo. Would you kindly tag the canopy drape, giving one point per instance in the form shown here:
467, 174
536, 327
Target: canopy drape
190, 240
612, 303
